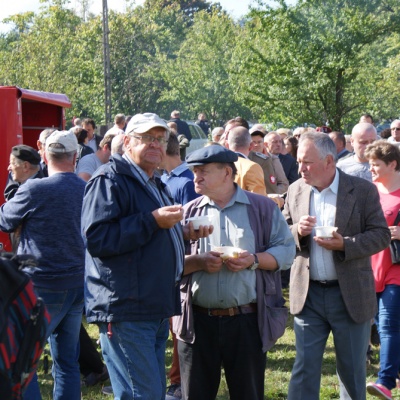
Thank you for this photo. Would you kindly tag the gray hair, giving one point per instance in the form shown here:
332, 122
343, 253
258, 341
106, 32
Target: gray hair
45, 134
219, 130
239, 138
393, 122
59, 157
322, 142
117, 145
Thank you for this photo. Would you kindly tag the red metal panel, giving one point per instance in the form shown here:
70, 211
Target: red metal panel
57, 99
23, 115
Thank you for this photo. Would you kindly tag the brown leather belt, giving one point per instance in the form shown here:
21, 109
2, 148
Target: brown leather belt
227, 312
326, 284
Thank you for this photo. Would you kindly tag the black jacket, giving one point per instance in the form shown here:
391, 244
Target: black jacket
290, 167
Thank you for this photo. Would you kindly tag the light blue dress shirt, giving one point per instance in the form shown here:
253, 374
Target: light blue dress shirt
323, 206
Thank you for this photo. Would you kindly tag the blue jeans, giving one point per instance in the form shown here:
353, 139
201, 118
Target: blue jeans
134, 352
388, 322
65, 308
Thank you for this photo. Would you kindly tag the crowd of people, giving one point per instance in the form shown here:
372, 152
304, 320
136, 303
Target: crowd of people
111, 221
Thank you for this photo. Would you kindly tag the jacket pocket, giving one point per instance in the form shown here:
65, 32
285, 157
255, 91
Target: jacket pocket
277, 318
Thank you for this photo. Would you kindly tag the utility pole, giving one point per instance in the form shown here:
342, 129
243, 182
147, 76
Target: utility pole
106, 61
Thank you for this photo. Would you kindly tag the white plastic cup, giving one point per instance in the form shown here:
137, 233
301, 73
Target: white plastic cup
203, 220
325, 232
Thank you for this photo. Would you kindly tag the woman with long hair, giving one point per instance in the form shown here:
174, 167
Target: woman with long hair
291, 144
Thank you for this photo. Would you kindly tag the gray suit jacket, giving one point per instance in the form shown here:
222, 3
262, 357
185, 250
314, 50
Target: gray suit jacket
360, 221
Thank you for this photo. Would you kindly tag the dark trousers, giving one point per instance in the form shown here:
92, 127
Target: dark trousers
233, 342
89, 358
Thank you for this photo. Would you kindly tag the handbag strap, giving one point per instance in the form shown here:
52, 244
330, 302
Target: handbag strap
397, 220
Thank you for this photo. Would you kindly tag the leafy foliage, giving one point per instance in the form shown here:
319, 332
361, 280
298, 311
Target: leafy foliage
137, 40
188, 7
202, 76
316, 61
312, 60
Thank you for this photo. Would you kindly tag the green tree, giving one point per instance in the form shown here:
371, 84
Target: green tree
188, 7
385, 102
56, 51
137, 39
202, 77
311, 62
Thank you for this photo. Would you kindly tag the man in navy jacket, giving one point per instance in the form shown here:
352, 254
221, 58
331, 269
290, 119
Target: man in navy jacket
135, 256
183, 127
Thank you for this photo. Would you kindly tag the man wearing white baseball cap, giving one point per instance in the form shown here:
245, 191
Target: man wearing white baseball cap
48, 211
134, 262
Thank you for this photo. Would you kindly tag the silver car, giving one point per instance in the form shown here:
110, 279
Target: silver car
199, 138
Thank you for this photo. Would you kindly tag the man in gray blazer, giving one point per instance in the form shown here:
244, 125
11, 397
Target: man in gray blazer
331, 283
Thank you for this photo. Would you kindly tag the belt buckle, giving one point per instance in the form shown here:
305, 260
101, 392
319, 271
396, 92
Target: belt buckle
231, 311
324, 283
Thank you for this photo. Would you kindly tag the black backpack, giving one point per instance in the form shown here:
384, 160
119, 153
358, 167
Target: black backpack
23, 326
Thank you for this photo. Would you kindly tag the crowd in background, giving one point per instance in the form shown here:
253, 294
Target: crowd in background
109, 219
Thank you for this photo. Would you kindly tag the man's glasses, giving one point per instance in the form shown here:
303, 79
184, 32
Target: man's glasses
395, 129
147, 139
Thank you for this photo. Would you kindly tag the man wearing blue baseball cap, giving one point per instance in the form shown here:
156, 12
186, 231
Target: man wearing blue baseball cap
225, 318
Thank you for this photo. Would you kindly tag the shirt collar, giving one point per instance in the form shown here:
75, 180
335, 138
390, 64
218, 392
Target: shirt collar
137, 171
241, 155
238, 197
179, 169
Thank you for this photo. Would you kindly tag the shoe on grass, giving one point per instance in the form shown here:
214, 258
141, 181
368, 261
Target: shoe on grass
93, 378
107, 390
378, 390
174, 392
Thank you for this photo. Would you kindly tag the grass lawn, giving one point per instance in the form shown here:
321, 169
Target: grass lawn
277, 375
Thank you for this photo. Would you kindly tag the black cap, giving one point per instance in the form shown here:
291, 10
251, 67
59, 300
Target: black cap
211, 154
26, 153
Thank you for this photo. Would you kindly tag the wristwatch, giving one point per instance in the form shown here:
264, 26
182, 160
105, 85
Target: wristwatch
255, 263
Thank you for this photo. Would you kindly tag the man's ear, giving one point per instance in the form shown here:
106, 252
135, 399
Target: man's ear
26, 166
228, 172
329, 159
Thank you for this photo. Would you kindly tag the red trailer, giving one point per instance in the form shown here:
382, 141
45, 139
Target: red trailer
23, 115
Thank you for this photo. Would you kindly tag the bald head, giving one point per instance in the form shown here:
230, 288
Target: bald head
362, 135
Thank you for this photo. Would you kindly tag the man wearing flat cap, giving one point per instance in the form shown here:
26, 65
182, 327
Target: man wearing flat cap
24, 165
225, 319
49, 211
134, 260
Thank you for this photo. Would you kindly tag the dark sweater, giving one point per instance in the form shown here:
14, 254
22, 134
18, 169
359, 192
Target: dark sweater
49, 210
